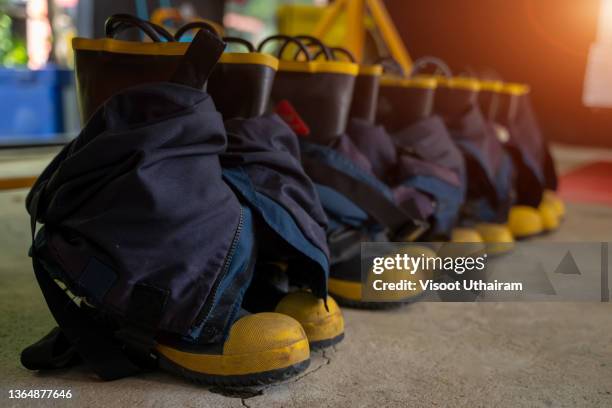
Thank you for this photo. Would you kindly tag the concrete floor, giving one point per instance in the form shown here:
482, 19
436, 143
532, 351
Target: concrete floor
427, 354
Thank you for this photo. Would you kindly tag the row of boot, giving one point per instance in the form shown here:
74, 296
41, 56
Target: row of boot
214, 200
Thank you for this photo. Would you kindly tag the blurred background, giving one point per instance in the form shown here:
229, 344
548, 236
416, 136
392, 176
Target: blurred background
563, 48
544, 354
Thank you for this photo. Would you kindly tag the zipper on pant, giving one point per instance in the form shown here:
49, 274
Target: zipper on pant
212, 297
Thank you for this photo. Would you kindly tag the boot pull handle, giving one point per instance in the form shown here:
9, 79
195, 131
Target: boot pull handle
201, 25
199, 60
391, 66
241, 41
309, 40
288, 39
423, 62
335, 51
118, 23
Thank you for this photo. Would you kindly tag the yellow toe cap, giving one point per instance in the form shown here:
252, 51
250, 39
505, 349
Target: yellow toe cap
352, 290
318, 323
257, 343
495, 233
497, 237
465, 235
525, 221
553, 199
549, 215
469, 240
262, 331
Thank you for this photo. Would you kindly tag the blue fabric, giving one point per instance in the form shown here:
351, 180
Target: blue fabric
268, 151
98, 278
481, 207
503, 179
476, 154
483, 210
235, 281
340, 209
341, 163
141, 190
527, 137
449, 199
485, 157
277, 218
530, 163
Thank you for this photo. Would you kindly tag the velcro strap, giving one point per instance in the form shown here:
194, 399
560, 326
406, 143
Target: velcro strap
93, 341
144, 313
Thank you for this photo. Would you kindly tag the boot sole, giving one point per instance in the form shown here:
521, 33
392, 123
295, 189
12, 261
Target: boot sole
358, 304
353, 289
241, 368
242, 380
321, 344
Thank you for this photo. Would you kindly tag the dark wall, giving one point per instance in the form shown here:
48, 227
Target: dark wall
542, 42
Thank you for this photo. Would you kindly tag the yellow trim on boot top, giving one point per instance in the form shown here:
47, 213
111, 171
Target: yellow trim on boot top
319, 67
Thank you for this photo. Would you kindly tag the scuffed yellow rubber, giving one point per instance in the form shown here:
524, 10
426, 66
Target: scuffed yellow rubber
318, 323
256, 344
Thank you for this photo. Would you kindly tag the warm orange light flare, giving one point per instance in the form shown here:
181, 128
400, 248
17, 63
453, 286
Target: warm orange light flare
604, 30
598, 78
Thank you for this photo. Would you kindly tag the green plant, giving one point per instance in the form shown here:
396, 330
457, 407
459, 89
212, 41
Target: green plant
12, 50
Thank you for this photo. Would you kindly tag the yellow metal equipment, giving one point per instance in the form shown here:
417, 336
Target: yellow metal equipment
348, 21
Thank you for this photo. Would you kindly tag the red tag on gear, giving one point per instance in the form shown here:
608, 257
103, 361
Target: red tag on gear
287, 112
